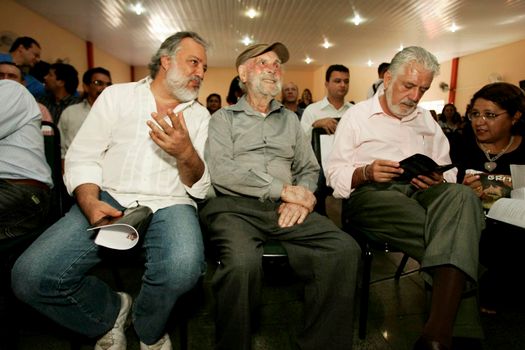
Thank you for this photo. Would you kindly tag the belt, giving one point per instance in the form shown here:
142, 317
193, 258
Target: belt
28, 182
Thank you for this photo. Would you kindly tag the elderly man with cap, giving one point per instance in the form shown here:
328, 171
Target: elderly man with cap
264, 172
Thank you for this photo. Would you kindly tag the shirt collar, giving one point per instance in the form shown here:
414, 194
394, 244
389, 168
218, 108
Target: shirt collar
325, 103
243, 106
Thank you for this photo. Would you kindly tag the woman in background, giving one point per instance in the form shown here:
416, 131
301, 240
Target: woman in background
306, 98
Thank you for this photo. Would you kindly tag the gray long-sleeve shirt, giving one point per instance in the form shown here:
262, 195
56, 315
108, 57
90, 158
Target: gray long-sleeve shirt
252, 155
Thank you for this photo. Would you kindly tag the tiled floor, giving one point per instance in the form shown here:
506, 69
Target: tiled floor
396, 315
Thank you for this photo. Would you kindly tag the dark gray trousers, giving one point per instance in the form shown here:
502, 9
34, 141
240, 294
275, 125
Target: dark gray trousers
438, 226
323, 256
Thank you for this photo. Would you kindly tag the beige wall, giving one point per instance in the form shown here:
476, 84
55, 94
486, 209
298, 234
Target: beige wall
475, 70
58, 43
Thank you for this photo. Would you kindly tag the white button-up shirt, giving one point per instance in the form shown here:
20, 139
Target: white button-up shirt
113, 150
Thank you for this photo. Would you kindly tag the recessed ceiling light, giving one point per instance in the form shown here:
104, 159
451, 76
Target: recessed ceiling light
400, 48
369, 63
308, 60
326, 44
246, 40
453, 28
138, 8
357, 20
252, 13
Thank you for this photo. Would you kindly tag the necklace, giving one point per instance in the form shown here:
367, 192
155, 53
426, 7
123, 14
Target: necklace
491, 164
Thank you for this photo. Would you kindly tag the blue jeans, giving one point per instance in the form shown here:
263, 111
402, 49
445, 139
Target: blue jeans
52, 277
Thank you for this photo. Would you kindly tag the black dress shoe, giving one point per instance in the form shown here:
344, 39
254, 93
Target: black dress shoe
425, 344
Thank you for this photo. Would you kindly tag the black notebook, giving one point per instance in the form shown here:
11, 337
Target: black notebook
419, 164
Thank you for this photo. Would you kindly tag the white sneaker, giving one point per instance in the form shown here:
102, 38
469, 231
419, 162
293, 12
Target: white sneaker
163, 343
115, 339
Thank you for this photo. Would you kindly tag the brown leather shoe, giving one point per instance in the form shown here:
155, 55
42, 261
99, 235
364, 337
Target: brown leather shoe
426, 344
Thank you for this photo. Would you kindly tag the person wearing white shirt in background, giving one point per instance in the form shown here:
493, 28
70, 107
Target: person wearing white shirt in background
144, 142
325, 113
377, 86
437, 223
94, 81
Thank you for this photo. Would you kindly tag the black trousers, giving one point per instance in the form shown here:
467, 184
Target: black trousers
323, 256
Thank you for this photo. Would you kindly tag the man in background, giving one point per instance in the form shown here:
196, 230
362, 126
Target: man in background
94, 81
25, 53
61, 84
326, 113
378, 84
290, 98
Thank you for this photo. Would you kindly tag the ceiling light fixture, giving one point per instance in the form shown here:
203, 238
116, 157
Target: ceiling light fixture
357, 20
369, 63
308, 60
138, 8
246, 40
453, 28
400, 48
326, 44
252, 13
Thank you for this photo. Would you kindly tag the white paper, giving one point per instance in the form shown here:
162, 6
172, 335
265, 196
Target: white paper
117, 236
509, 210
327, 142
518, 175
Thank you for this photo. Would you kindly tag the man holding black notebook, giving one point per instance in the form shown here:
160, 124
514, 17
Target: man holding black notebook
435, 222
142, 141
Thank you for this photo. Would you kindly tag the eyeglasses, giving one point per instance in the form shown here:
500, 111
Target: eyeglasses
101, 83
490, 116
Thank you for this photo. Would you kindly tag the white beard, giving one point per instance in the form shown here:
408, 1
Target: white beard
177, 84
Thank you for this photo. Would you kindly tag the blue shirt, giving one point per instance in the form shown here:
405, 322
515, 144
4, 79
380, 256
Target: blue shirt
35, 87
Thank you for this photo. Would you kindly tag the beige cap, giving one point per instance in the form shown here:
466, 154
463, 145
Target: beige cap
259, 49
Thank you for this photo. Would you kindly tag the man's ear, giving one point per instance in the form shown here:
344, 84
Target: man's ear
243, 73
165, 62
387, 79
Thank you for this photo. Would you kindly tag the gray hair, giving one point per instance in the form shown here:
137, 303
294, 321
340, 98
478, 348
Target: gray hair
170, 47
414, 54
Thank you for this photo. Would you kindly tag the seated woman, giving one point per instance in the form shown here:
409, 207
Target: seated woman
497, 124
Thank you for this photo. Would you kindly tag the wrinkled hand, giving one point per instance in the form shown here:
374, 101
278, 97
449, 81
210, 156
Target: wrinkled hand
174, 139
473, 181
383, 171
423, 182
299, 195
328, 124
291, 214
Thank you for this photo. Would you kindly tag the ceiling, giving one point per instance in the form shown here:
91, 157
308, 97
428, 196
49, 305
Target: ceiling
302, 25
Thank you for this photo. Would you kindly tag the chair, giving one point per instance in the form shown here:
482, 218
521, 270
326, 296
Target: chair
52, 147
367, 244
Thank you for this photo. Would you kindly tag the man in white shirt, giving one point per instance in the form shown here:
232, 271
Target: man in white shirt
94, 81
437, 223
378, 84
326, 113
141, 142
